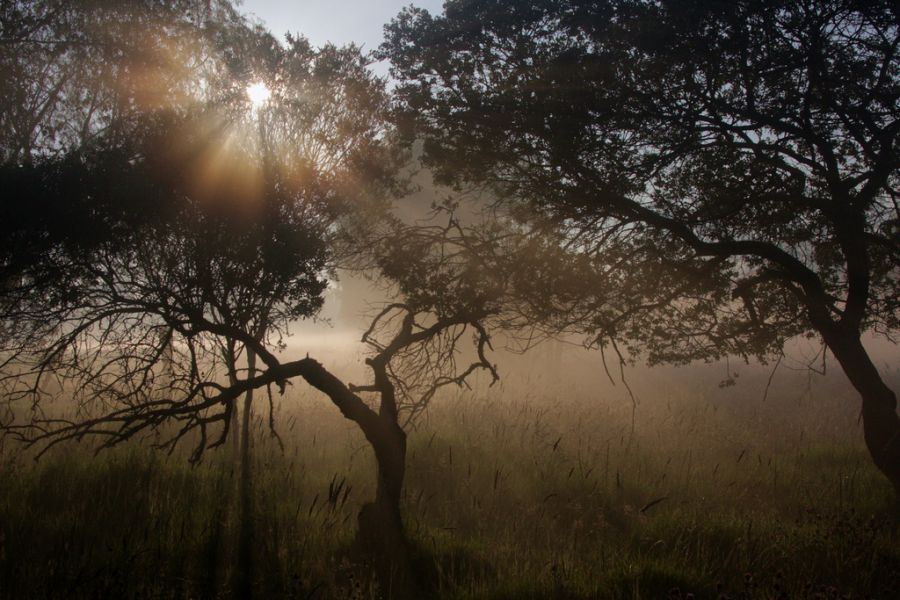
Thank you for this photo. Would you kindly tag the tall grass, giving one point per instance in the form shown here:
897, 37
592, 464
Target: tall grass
542, 488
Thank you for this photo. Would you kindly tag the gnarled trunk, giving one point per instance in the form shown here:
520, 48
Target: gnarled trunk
381, 537
881, 424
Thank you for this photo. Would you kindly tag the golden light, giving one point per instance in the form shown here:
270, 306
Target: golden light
258, 94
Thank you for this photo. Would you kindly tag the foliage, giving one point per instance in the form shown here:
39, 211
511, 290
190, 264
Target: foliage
742, 156
751, 145
141, 257
126, 310
78, 70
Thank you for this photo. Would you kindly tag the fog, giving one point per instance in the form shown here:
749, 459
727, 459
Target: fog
556, 367
278, 321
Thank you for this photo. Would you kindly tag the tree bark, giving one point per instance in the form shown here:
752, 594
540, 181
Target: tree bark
246, 425
881, 424
244, 572
381, 537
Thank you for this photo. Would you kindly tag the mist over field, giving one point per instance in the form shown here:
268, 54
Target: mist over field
544, 485
488, 299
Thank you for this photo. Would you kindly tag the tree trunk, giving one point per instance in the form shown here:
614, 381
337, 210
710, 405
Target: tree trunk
243, 584
881, 424
381, 537
231, 365
235, 421
235, 437
246, 425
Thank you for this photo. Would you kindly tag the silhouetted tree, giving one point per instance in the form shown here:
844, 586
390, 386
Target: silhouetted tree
102, 338
142, 254
732, 165
123, 281
137, 267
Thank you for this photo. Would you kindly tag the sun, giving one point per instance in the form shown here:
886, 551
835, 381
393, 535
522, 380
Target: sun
258, 94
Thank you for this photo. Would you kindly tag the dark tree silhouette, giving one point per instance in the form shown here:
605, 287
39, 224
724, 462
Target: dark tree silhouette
95, 162
147, 245
119, 282
736, 161
134, 334
143, 256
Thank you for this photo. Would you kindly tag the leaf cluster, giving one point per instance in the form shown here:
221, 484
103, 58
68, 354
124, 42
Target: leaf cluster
746, 154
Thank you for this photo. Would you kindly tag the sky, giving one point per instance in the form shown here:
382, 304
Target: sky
339, 22
336, 21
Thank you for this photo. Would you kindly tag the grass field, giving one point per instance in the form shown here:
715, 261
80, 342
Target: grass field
511, 493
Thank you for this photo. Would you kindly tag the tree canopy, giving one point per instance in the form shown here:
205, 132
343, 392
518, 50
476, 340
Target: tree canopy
144, 251
743, 156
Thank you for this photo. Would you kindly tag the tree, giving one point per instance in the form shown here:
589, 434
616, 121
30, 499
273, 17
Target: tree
740, 157
86, 80
120, 282
137, 266
144, 251
103, 336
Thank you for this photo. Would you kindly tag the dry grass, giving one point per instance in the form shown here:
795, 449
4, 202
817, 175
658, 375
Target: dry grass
536, 489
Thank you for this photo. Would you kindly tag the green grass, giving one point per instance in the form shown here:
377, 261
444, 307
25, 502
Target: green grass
510, 494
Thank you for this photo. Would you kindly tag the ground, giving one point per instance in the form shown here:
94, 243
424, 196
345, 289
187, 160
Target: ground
511, 493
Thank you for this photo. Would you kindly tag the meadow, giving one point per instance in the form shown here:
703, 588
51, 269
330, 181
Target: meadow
546, 485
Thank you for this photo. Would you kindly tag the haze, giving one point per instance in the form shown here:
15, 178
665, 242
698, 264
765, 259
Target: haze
586, 300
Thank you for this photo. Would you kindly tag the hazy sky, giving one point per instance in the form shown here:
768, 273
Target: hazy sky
337, 21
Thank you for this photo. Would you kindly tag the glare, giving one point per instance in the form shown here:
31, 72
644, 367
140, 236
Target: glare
258, 94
